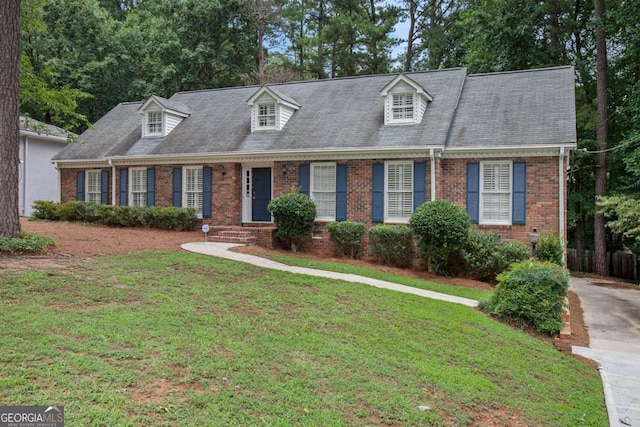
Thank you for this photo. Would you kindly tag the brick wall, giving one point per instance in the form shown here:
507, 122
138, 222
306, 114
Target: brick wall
542, 192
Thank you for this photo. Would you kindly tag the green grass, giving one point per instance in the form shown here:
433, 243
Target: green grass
461, 291
171, 338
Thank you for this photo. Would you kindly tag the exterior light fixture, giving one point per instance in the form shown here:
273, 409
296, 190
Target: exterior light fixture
222, 170
534, 239
284, 169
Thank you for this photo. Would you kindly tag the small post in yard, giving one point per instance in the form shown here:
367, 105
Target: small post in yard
205, 230
534, 238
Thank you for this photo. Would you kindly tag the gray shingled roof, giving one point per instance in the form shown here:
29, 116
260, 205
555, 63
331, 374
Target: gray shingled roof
519, 108
31, 125
503, 109
171, 105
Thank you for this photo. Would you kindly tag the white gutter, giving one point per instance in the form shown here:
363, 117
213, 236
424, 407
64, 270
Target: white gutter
432, 156
113, 182
55, 165
45, 136
561, 204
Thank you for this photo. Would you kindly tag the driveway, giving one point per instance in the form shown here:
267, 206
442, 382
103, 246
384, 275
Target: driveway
612, 316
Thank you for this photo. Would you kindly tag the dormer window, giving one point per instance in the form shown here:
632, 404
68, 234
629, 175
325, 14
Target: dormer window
405, 101
154, 123
270, 110
160, 116
402, 108
267, 115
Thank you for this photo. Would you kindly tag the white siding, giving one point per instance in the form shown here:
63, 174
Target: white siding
38, 176
285, 115
422, 107
171, 121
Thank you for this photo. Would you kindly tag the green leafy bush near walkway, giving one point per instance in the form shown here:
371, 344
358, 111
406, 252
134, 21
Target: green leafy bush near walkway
531, 292
170, 338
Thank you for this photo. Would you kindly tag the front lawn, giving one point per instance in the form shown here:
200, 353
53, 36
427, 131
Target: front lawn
171, 338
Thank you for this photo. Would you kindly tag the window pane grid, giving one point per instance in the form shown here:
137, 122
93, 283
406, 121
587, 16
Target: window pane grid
323, 191
193, 189
93, 187
496, 192
139, 187
267, 115
402, 106
399, 191
154, 122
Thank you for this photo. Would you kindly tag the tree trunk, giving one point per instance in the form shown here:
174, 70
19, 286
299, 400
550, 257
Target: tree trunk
408, 60
9, 132
599, 239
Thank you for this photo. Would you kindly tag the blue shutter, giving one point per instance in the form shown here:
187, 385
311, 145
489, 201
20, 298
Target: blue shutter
519, 202
104, 187
473, 191
377, 196
124, 186
151, 186
419, 184
304, 173
177, 187
341, 192
80, 186
207, 178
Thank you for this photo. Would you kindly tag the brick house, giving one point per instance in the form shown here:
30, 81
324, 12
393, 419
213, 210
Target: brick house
368, 149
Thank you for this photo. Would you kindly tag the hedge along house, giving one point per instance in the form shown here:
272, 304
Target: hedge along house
368, 149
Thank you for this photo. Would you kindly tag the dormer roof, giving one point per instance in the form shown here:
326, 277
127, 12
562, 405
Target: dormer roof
278, 98
166, 105
405, 79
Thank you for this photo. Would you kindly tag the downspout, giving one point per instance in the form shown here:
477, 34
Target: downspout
113, 182
55, 165
561, 193
23, 176
433, 174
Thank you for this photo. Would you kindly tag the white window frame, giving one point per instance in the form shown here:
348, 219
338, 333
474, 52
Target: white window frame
389, 215
267, 115
491, 190
141, 192
93, 195
403, 107
192, 196
319, 190
157, 124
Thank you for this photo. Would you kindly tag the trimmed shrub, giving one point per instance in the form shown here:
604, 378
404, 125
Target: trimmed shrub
391, 244
550, 249
78, 212
169, 218
485, 255
45, 210
533, 293
347, 235
442, 228
28, 242
293, 214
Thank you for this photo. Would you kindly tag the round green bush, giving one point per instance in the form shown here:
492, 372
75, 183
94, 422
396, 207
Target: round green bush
532, 292
293, 214
550, 249
442, 228
391, 244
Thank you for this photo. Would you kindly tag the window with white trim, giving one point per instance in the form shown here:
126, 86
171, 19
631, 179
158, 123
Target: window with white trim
323, 190
138, 187
495, 192
266, 115
402, 107
193, 188
398, 191
154, 123
94, 187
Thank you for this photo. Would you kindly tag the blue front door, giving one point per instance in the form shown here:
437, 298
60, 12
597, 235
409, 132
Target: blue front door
261, 186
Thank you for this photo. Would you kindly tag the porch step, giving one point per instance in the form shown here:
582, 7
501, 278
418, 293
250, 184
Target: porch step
228, 236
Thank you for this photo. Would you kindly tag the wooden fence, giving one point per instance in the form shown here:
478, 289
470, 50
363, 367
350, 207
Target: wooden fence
619, 264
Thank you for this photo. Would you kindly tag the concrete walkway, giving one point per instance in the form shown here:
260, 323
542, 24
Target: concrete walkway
221, 250
612, 316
